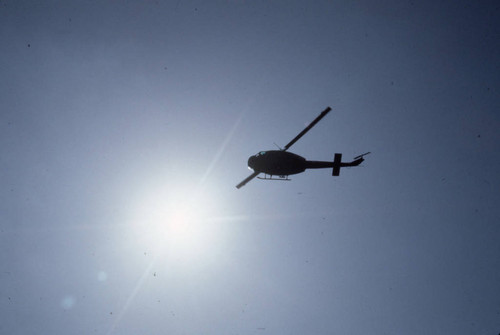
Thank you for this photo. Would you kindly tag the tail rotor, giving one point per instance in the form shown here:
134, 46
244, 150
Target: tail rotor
337, 162
361, 156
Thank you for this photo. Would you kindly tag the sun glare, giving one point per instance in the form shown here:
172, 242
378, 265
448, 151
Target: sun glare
175, 221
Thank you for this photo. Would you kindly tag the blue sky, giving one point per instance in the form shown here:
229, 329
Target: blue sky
125, 126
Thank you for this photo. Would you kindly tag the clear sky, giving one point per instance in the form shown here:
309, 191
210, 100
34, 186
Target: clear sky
125, 126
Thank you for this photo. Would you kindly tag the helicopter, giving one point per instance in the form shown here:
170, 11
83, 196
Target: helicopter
279, 164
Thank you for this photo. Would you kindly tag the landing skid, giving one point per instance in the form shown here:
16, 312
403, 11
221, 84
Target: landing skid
271, 177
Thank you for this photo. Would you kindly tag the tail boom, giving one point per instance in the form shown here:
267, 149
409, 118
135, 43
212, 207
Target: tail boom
336, 164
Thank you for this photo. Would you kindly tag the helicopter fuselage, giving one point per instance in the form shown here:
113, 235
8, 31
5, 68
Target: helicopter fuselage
282, 163
277, 162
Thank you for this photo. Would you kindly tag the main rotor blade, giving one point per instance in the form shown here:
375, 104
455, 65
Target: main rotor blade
247, 179
312, 124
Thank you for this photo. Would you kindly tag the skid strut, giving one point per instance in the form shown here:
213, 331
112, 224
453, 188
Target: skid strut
271, 177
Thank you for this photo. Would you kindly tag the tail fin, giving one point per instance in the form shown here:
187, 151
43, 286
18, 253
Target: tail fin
336, 164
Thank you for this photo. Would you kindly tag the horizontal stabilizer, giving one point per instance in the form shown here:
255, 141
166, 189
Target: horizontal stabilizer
336, 164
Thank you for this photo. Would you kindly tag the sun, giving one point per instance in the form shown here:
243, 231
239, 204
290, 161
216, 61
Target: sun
175, 220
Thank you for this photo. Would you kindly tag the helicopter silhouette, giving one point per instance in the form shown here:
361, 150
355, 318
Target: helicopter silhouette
279, 164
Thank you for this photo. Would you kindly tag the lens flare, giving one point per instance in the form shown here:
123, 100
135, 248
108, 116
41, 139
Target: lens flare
68, 302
